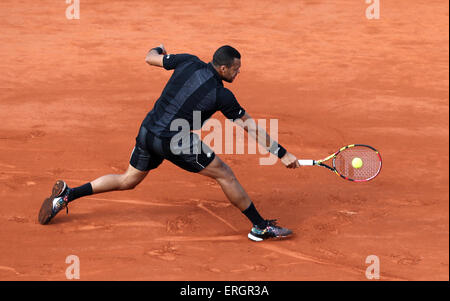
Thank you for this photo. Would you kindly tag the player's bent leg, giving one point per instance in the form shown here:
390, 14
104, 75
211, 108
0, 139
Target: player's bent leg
128, 180
223, 174
54, 203
62, 194
141, 162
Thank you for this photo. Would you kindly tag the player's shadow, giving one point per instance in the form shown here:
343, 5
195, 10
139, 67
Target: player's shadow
72, 218
105, 215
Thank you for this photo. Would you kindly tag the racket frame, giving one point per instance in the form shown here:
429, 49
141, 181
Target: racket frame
333, 168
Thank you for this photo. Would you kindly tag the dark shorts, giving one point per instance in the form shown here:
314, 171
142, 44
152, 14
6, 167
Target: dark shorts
190, 153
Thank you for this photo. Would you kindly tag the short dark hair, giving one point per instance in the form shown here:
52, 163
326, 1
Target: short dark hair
225, 55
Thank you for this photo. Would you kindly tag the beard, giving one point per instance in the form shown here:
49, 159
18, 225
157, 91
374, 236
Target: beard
228, 80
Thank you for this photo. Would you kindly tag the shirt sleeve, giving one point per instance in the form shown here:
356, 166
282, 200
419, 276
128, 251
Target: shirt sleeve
172, 61
229, 105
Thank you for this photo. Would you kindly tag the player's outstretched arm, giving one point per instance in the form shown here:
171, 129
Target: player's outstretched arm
155, 56
261, 136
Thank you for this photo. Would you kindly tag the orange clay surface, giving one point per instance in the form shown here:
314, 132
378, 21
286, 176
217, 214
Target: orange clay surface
73, 94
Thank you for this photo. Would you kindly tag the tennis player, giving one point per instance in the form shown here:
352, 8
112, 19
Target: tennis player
193, 86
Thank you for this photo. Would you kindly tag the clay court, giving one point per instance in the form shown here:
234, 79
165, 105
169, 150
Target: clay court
74, 92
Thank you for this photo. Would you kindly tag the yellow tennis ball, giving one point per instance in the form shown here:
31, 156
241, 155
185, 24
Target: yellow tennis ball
357, 162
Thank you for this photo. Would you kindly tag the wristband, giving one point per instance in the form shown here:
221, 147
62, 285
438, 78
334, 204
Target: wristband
158, 49
277, 150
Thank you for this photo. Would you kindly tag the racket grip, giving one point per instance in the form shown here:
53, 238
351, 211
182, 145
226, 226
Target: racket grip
306, 162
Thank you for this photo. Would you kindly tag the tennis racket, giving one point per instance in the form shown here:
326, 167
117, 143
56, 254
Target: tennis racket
355, 162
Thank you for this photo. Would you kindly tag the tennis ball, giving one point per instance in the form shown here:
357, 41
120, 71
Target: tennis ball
357, 162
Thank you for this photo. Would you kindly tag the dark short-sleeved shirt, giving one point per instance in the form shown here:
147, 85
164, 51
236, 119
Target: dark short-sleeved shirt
193, 86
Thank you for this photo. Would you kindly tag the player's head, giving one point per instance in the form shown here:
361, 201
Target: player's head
227, 62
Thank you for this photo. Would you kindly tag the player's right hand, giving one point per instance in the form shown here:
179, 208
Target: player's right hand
290, 161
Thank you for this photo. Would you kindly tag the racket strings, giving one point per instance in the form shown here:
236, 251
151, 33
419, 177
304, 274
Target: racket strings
371, 163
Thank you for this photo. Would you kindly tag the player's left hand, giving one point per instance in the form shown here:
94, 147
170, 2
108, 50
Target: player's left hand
163, 48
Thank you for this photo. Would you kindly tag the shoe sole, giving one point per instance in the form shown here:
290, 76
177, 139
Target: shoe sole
254, 238
258, 239
45, 213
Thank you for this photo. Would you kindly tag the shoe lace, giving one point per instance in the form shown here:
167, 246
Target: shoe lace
271, 223
66, 203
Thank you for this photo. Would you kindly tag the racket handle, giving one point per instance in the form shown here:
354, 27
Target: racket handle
306, 162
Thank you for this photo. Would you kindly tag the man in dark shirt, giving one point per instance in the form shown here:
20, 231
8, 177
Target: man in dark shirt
194, 87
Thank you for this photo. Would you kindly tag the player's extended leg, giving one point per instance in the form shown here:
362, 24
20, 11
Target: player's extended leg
62, 194
262, 229
223, 174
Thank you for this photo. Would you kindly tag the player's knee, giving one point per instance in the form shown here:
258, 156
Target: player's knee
128, 186
226, 174
128, 183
